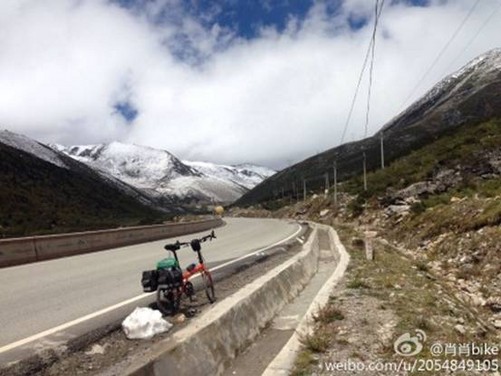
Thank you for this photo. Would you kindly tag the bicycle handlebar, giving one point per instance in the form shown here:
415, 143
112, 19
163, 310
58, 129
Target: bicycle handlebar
177, 245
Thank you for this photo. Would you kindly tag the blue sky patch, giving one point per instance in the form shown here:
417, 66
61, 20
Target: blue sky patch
415, 3
247, 17
126, 110
244, 17
357, 23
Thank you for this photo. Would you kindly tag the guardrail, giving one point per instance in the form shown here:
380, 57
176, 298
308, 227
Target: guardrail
39, 248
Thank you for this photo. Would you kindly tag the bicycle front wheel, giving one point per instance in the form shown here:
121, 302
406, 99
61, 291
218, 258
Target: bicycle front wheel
209, 286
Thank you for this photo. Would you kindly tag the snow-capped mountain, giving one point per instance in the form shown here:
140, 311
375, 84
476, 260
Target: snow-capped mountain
161, 174
60, 159
246, 175
467, 92
28, 145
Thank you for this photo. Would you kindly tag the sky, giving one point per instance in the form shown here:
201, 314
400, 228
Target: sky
230, 81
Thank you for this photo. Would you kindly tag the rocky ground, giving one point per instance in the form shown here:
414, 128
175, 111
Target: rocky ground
380, 300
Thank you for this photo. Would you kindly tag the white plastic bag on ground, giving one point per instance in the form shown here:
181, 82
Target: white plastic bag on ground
144, 323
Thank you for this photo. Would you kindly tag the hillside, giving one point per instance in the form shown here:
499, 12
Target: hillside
433, 219
469, 96
57, 194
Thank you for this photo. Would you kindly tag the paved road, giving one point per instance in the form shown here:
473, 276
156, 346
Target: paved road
37, 297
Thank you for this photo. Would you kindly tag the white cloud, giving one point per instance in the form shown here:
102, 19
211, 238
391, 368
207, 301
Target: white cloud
272, 100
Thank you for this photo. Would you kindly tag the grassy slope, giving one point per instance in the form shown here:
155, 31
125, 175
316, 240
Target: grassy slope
466, 146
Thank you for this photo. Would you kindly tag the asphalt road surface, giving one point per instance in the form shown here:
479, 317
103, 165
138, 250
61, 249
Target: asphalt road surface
40, 296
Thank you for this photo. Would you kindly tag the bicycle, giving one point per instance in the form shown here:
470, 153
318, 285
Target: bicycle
171, 283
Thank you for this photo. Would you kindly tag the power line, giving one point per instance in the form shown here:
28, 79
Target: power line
364, 65
475, 36
377, 14
439, 56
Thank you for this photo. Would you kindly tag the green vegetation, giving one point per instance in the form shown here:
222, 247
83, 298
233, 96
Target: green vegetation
316, 343
328, 314
466, 146
357, 284
302, 364
442, 217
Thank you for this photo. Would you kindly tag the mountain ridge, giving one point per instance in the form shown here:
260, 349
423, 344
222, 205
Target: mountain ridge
161, 174
468, 96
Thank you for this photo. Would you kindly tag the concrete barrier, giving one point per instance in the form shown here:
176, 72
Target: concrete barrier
17, 251
38, 248
210, 342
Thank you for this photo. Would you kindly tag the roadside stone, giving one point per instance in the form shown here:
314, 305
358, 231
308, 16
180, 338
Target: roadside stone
400, 210
497, 324
324, 212
96, 349
179, 319
494, 304
460, 329
412, 200
416, 189
478, 300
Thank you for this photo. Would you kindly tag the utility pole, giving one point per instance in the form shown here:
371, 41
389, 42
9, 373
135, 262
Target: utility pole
327, 182
335, 182
382, 152
304, 190
365, 172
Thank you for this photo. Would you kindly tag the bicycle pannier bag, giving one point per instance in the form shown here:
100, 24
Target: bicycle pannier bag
149, 280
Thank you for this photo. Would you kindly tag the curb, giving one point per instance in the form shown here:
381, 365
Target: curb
209, 344
283, 363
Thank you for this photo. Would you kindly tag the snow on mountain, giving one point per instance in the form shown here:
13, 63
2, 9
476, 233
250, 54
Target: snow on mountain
465, 82
161, 174
33, 147
55, 155
246, 175
142, 167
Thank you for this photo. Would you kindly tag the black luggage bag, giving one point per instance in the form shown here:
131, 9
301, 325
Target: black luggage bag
150, 280
172, 277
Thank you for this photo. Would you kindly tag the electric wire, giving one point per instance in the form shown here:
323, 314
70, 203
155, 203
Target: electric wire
377, 14
441, 53
474, 37
362, 71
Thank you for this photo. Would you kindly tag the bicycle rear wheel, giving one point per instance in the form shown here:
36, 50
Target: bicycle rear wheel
209, 286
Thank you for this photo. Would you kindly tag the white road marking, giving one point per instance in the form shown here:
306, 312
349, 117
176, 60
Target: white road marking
56, 329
